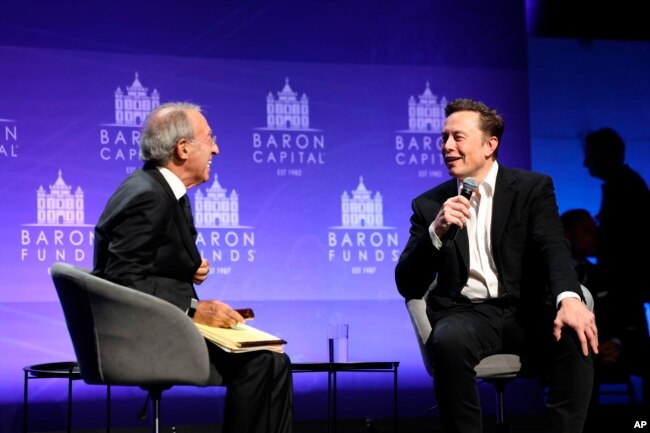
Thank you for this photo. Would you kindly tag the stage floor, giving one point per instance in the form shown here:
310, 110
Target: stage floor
621, 418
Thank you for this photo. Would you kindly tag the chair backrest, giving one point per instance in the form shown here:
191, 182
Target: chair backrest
123, 336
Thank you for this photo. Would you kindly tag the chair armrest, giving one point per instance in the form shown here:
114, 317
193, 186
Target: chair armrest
122, 336
145, 340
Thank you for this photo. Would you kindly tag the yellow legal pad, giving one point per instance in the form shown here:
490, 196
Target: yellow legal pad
241, 338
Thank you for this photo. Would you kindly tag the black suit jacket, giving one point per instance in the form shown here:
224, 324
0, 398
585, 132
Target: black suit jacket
531, 253
143, 241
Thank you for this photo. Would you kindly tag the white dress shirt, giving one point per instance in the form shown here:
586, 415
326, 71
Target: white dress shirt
483, 280
174, 182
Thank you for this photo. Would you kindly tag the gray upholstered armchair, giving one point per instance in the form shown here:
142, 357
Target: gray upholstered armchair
125, 337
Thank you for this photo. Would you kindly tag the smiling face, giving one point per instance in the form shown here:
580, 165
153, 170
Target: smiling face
468, 152
198, 151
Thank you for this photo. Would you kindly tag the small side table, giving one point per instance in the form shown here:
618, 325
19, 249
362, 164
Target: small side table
58, 370
332, 368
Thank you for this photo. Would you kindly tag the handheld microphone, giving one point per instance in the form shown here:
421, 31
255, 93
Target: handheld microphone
469, 185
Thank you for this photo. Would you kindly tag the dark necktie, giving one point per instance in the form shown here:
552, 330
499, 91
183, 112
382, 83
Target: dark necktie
187, 211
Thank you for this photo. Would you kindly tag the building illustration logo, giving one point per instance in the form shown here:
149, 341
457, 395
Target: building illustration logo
426, 114
8, 139
221, 238
287, 111
362, 209
60, 232
216, 208
119, 141
288, 142
133, 107
59, 206
362, 239
419, 146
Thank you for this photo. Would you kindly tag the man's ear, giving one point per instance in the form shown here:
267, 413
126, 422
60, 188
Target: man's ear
491, 147
182, 149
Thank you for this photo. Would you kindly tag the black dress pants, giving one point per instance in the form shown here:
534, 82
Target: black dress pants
470, 332
259, 394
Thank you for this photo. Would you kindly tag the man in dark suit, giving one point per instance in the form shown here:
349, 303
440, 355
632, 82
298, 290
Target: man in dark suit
145, 240
505, 283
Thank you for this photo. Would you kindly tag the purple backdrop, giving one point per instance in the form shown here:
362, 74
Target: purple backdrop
319, 162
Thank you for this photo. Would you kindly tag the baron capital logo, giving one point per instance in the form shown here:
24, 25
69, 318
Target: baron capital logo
119, 141
288, 141
419, 145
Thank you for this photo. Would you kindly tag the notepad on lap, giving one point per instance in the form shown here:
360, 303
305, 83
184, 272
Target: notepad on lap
242, 338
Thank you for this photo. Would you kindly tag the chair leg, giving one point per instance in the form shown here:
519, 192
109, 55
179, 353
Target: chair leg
501, 426
108, 409
156, 395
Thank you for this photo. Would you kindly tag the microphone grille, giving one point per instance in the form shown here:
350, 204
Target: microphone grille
470, 183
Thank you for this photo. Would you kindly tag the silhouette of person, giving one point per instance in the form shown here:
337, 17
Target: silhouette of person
622, 255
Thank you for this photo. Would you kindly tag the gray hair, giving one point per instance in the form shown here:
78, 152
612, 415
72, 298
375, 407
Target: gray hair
164, 126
